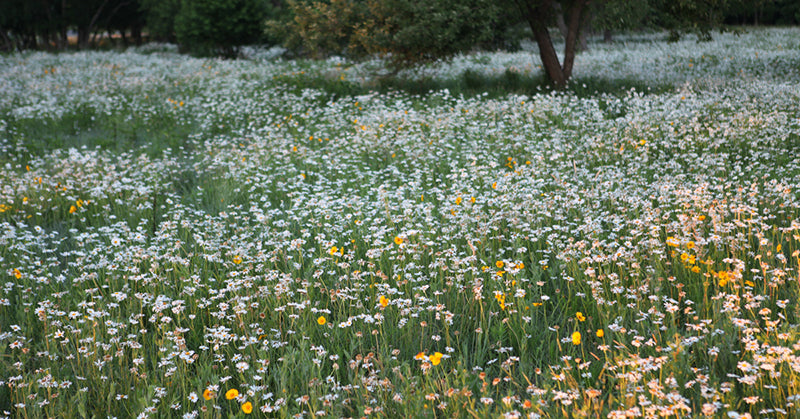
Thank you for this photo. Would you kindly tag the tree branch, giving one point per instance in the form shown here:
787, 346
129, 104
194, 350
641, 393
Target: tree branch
96, 16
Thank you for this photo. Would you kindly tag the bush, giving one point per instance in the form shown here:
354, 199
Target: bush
160, 15
219, 27
406, 31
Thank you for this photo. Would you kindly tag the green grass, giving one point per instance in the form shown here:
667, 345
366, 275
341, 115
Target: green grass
471, 83
189, 237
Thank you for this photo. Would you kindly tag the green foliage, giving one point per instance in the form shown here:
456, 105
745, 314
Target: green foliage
758, 12
618, 15
695, 16
219, 27
161, 18
413, 31
406, 31
23, 20
319, 28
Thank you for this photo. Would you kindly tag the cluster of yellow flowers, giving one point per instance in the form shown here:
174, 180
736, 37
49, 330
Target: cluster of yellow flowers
231, 394
434, 359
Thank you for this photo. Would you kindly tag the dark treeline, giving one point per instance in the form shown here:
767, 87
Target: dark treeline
217, 27
201, 26
46, 24
763, 12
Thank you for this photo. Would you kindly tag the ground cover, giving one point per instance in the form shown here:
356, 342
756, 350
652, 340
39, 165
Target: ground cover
211, 238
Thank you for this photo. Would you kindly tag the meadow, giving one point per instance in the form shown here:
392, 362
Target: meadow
184, 237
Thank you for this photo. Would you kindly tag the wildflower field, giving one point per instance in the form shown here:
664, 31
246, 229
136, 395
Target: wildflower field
185, 237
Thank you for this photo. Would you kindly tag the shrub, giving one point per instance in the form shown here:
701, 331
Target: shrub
407, 31
219, 27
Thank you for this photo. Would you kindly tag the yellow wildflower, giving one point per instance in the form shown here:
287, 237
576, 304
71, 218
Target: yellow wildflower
247, 408
501, 298
208, 394
436, 358
723, 278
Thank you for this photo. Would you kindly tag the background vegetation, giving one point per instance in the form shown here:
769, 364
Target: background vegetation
406, 32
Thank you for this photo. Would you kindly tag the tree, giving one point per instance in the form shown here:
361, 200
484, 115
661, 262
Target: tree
129, 16
219, 27
405, 31
410, 31
320, 28
85, 15
160, 18
620, 15
763, 12
413, 30
697, 16
27, 24
539, 15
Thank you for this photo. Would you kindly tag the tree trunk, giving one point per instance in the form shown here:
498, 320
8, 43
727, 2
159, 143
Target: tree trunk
537, 14
62, 26
30, 41
562, 25
50, 40
136, 34
549, 58
48, 37
574, 27
8, 45
607, 36
90, 28
582, 45
83, 37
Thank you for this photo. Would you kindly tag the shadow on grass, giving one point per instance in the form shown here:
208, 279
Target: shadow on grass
85, 128
471, 83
